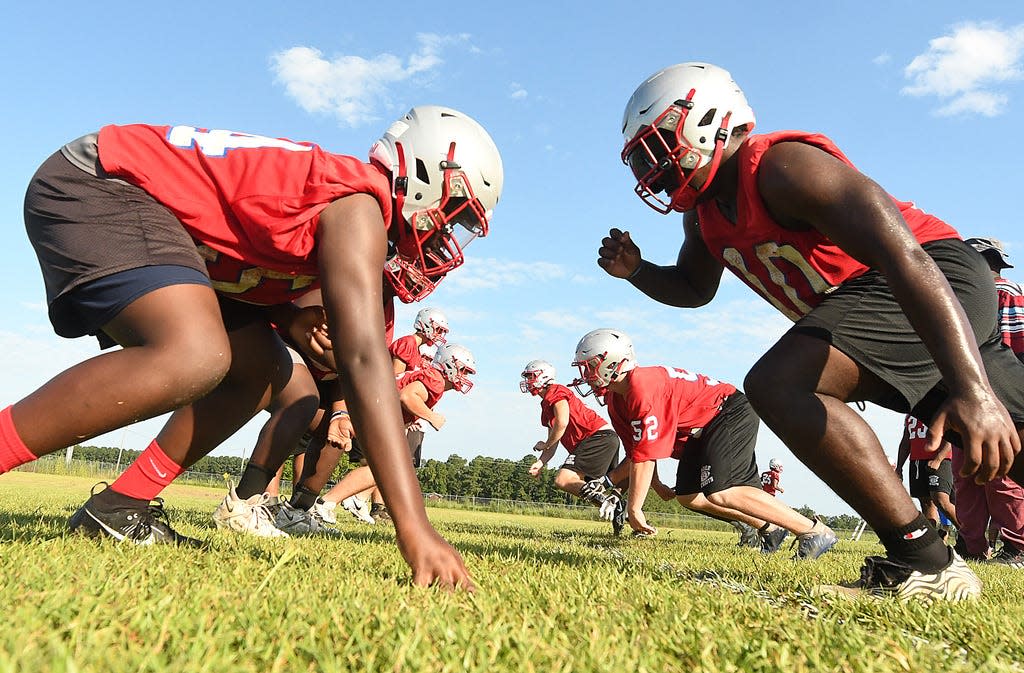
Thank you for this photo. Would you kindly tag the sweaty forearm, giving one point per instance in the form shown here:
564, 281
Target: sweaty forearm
668, 285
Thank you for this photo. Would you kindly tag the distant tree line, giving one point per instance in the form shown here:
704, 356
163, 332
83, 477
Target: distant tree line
481, 477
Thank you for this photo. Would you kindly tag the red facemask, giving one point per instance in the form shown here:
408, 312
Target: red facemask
430, 244
664, 162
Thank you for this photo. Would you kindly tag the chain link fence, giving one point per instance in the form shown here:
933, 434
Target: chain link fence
106, 471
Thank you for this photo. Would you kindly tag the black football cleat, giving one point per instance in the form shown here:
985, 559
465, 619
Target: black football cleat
137, 525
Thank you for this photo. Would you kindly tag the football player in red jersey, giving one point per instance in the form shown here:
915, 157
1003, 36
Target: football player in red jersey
707, 425
771, 478
890, 305
419, 392
592, 444
172, 241
931, 472
408, 353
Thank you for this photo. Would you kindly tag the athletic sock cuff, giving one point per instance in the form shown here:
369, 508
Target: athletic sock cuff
13, 451
150, 474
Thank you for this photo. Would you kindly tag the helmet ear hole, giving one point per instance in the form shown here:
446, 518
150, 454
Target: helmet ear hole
421, 171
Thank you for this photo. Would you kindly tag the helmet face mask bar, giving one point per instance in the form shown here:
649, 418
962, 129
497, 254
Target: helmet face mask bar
432, 324
589, 381
433, 242
456, 365
537, 375
677, 123
446, 178
663, 161
603, 356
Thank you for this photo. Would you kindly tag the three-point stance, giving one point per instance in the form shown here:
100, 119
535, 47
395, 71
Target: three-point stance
173, 241
707, 425
890, 305
592, 444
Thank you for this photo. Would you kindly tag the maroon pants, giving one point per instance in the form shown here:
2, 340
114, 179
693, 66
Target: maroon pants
1000, 499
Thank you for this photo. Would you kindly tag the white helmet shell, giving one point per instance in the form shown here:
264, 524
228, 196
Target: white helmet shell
456, 364
602, 356
680, 119
432, 324
715, 95
446, 179
774, 464
537, 375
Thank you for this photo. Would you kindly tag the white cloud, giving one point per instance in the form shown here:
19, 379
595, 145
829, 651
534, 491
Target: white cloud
478, 273
963, 68
882, 58
517, 91
350, 87
560, 320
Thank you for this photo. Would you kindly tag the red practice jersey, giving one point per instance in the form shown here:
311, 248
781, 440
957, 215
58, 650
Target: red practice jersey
431, 380
408, 351
1011, 314
770, 481
251, 203
917, 433
583, 421
663, 408
791, 269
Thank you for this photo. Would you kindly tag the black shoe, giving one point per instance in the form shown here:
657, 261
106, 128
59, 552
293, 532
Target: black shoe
619, 518
772, 540
379, 512
1008, 555
138, 525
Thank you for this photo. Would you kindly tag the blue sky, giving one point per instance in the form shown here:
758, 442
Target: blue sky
925, 97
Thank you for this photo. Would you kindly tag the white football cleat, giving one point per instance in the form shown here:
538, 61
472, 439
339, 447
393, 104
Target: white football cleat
325, 510
249, 516
358, 509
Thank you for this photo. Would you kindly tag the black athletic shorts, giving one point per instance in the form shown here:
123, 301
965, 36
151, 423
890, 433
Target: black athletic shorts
864, 321
723, 455
595, 456
924, 480
101, 244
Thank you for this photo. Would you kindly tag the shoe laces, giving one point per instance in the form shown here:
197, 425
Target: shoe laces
261, 511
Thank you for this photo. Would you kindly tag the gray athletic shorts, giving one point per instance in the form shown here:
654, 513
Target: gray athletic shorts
86, 228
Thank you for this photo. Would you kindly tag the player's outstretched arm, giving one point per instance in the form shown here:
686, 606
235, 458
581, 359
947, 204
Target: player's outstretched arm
640, 478
804, 186
413, 398
351, 249
692, 281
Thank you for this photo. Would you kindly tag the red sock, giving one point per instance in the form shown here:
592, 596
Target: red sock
13, 451
148, 475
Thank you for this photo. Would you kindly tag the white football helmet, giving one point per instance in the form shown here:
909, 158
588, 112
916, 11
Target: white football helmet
432, 324
602, 356
680, 119
537, 375
774, 464
446, 178
456, 365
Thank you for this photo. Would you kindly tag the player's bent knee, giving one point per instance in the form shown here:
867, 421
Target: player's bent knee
759, 388
195, 365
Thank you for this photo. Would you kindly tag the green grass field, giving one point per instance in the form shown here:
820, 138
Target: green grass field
552, 595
